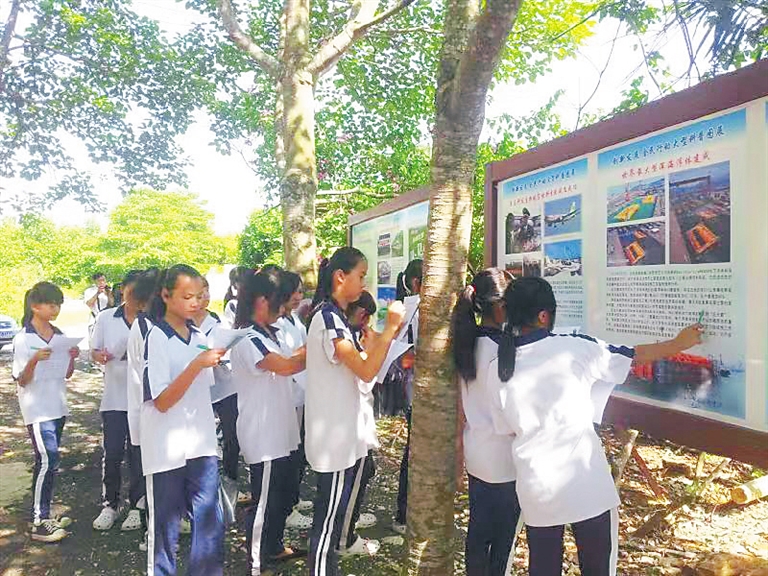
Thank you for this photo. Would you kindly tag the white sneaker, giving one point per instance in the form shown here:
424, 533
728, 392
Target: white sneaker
105, 519
186, 527
132, 521
361, 547
298, 521
366, 520
399, 528
304, 505
143, 544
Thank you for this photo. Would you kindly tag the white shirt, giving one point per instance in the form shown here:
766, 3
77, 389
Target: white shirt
41, 399
334, 417
294, 334
110, 333
101, 303
135, 375
230, 311
487, 454
188, 429
267, 428
223, 386
562, 473
368, 419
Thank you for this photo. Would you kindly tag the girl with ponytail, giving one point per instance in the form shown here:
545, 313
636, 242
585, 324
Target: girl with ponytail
543, 383
43, 400
494, 510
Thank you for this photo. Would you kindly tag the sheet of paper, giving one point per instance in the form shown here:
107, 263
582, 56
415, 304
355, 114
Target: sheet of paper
396, 349
600, 393
55, 368
411, 304
226, 338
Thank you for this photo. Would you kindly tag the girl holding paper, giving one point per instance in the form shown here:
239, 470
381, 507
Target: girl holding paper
267, 428
494, 511
543, 385
178, 431
337, 445
109, 347
43, 358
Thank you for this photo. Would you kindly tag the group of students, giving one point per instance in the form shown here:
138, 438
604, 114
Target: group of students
295, 392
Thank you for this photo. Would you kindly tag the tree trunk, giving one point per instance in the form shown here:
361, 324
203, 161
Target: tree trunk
472, 45
298, 186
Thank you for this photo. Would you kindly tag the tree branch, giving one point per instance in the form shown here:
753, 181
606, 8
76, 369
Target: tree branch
353, 30
265, 61
8, 30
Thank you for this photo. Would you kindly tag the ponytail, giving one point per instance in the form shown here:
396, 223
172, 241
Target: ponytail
477, 299
344, 259
321, 293
404, 286
40, 293
525, 298
167, 280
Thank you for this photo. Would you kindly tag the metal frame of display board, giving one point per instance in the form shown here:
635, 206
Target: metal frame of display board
721, 93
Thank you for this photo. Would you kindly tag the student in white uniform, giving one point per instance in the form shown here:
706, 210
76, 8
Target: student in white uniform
237, 277
359, 314
408, 290
98, 296
42, 400
543, 384
109, 347
178, 431
224, 401
494, 511
267, 427
293, 333
142, 293
335, 441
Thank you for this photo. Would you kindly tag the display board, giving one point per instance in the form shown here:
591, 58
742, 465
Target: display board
390, 236
647, 224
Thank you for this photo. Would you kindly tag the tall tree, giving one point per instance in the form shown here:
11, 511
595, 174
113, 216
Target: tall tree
295, 68
474, 36
95, 71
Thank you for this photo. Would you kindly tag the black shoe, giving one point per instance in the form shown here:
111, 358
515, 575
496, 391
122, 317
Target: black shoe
48, 531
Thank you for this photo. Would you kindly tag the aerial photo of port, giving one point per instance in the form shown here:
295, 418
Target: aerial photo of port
700, 219
638, 200
562, 259
636, 245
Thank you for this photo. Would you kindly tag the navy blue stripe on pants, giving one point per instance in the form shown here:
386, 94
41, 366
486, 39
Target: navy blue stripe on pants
271, 489
334, 492
494, 512
46, 439
365, 472
226, 410
596, 542
192, 489
116, 439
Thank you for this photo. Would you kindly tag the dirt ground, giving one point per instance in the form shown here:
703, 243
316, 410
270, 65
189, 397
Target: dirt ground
700, 535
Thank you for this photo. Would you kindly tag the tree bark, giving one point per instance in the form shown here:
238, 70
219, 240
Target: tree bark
473, 42
8, 30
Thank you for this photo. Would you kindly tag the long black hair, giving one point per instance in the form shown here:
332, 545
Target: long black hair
524, 298
167, 279
412, 272
237, 275
477, 299
40, 293
262, 284
344, 259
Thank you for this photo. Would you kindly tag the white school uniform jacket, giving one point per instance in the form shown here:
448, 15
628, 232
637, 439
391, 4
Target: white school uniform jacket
230, 312
41, 399
110, 333
187, 430
487, 454
294, 334
223, 386
334, 417
562, 473
101, 303
267, 428
135, 374
368, 420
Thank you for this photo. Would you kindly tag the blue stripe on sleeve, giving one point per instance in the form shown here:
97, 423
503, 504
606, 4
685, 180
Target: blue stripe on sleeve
622, 350
329, 320
260, 345
147, 391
